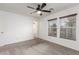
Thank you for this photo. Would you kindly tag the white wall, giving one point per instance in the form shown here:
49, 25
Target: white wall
43, 29
16, 28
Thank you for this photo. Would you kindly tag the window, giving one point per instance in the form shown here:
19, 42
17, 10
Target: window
68, 27
52, 27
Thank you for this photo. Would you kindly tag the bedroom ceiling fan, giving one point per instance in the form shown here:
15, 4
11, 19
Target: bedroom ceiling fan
39, 9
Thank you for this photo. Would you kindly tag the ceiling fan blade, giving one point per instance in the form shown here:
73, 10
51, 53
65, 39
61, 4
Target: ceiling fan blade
43, 5
45, 11
38, 8
30, 7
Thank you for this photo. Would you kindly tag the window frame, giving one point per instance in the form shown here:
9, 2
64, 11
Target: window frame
71, 15
49, 28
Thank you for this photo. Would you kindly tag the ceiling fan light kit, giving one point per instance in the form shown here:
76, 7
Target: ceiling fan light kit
39, 12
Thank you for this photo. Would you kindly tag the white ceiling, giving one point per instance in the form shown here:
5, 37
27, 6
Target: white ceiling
21, 8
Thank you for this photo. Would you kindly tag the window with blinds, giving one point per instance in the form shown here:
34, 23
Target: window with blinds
68, 27
52, 27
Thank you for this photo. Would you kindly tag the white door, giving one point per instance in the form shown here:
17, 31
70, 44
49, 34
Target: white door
35, 28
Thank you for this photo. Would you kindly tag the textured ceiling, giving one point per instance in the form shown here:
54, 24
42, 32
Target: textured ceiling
21, 8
